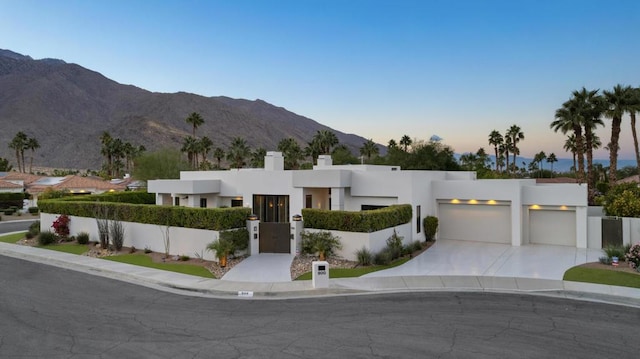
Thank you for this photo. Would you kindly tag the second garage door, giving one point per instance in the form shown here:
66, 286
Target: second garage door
552, 227
475, 222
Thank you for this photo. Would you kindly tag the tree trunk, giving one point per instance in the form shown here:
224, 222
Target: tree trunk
613, 150
496, 150
591, 177
635, 139
579, 153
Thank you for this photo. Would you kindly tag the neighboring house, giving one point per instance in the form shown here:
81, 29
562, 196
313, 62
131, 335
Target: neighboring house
74, 184
11, 186
515, 212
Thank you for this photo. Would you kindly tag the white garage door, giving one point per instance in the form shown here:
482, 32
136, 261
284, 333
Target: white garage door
475, 222
552, 227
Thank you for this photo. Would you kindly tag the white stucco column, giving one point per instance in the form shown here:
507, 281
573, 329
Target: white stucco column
254, 236
581, 227
517, 211
193, 200
159, 199
337, 199
296, 236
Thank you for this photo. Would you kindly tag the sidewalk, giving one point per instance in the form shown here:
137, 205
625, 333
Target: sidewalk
191, 285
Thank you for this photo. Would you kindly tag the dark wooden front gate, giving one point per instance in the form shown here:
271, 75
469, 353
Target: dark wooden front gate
275, 237
611, 231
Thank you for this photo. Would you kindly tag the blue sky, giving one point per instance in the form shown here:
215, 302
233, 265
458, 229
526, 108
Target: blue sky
380, 69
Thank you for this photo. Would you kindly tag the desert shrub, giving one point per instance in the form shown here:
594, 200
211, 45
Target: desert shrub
34, 228
82, 238
29, 235
46, 238
383, 257
416, 246
394, 245
430, 225
184, 258
9, 211
33, 210
61, 225
116, 232
324, 243
614, 251
365, 257
147, 250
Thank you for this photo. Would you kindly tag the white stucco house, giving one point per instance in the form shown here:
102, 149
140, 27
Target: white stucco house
515, 211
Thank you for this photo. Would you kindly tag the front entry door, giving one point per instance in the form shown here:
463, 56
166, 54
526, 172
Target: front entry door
275, 237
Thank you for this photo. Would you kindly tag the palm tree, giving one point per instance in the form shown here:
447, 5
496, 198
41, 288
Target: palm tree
633, 106
405, 142
106, 140
33, 145
616, 101
392, 144
189, 146
539, 159
313, 149
195, 120
205, 148
570, 146
238, 152
325, 140
369, 148
516, 135
291, 151
551, 159
257, 157
568, 119
18, 144
506, 148
218, 154
496, 139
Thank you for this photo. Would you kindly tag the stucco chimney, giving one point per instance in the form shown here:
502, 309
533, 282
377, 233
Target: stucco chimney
274, 161
325, 161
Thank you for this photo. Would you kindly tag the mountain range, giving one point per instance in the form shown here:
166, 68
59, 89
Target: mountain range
66, 107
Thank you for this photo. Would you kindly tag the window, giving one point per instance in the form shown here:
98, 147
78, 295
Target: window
176, 201
418, 224
203, 203
370, 207
308, 201
271, 208
236, 203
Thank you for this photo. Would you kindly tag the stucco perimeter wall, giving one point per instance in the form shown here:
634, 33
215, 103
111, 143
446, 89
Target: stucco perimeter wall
375, 241
182, 241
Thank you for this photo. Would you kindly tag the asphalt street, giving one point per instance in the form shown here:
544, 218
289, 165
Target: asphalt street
49, 312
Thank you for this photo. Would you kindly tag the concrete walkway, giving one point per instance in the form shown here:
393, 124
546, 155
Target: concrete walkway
444, 267
263, 267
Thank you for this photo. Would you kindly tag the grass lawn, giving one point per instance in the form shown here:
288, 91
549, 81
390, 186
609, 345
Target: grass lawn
354, 272
602, 276
67, 248
12, 238
146, 261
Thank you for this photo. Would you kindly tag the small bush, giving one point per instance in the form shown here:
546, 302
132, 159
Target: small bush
116, 232
365, 257
184, 258
394, 245
382, 258
61, 225
416, 246
9, 211
430, 224
147, 250
324, 243
132, 249
82, 238
614, 251
605, 260
29, 235
46, 238
34, 228
33, 210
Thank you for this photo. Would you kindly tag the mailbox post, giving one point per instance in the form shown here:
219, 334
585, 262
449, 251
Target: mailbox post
320, 274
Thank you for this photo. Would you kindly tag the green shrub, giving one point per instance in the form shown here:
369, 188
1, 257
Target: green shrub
365, 257
239, 237
33, 210
623, 200
361, 221
383, 257
46, 238
416, 246
9, 211
394, 245
34, 228
82, 238
615, 251
147, 250
184, 258
430, 225
324, 243
29, 235
8, 200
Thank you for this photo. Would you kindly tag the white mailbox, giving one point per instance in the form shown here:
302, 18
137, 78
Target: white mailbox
320, 274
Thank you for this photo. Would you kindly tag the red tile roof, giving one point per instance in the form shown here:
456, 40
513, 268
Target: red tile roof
9, 185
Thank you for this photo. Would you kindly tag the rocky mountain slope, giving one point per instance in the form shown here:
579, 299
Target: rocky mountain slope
66, 107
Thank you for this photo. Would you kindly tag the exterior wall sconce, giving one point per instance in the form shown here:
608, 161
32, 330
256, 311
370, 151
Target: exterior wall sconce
297, 217
253, 217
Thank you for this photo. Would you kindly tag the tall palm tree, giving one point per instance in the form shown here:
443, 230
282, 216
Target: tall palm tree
568, 119
18, 144
551, 159
238, 152
405, 142
106, 140
616, 102
205, 147
570, 146
539, 159
189, 146
633, 106
516, 135
291, 151
506, 148
369, 148
392, 144
496, 140
257, 157
195, 120
33, 145
326, 140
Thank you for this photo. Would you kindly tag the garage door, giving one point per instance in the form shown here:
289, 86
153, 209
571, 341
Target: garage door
552, 227
475, 222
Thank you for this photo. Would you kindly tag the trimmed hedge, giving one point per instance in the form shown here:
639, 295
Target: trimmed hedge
11, 199
132, 197
362, 221
216, 219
